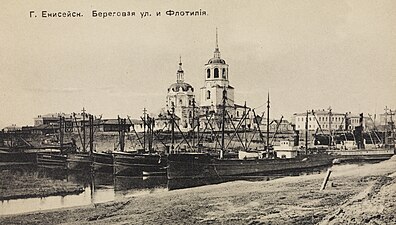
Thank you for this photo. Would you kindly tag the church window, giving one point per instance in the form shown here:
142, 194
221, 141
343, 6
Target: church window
224, 73
208, 73
208, 95
216, 73
180, 102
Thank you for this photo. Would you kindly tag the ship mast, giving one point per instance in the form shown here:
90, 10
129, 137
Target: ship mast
172, 128
268, 125
83, 127
91, 134
223, 124
330, 134
61, 122
392, 127
306, 134
192, 122
121, 131
244, 128
144, 129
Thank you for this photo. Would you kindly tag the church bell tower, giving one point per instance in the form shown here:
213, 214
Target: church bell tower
216, 81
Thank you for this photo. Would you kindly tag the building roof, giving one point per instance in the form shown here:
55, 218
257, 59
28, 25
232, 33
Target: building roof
319, 112
176, 87
216, 60
115, 121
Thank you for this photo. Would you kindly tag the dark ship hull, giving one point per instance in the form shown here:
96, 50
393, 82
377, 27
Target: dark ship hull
133, 164
79, 161
52, 160
102, 162
197, 165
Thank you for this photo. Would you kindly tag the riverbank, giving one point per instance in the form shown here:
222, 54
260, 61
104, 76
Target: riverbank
29, 185
355, 194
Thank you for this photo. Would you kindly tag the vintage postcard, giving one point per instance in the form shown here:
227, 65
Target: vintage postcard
197, 112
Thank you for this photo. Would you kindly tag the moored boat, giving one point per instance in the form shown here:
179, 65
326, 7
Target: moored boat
133, 164
102, 162
199, 165
366, 154
52, 160
12, 159
79, 161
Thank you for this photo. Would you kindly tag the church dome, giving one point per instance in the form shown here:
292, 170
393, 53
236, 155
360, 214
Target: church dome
176, 87
216, 60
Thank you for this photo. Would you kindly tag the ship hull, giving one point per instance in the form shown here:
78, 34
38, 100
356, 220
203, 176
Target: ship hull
102, 162
17, 159
79, 162
197, 166
363, 154
131, 164
54, 161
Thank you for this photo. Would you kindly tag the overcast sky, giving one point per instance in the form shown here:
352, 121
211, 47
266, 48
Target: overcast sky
308, 54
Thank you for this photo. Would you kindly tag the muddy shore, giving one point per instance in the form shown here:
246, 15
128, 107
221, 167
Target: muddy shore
29, 185
354, 195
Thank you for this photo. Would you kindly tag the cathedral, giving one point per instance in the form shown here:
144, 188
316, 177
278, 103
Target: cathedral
181, 97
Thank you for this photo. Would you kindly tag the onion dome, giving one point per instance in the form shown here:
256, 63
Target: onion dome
216, 60
176, 87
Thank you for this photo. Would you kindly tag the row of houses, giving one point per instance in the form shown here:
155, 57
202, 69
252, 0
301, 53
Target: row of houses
316, 120
327, 121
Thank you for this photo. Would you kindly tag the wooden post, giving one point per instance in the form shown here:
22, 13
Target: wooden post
325, 180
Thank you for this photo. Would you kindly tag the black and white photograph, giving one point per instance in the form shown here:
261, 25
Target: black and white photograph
197, 112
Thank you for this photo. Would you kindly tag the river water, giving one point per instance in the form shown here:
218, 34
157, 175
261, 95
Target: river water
99, 188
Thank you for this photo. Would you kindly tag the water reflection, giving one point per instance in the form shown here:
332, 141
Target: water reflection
98, 188
106, 187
